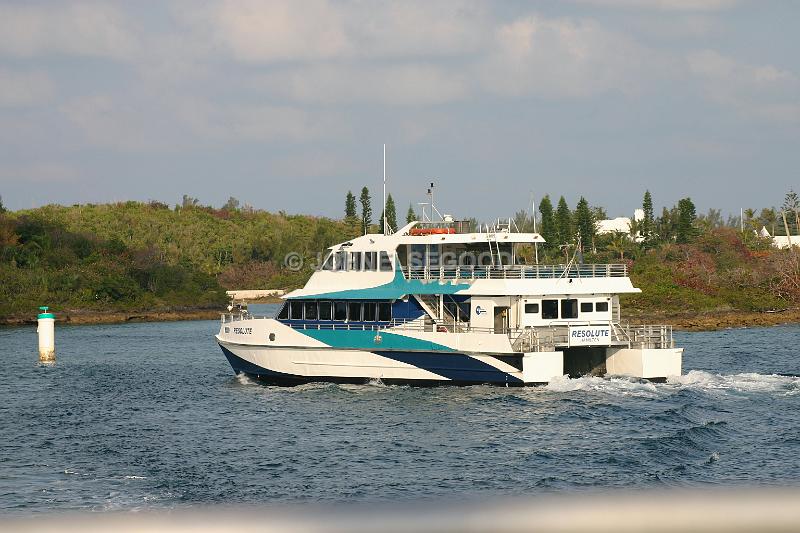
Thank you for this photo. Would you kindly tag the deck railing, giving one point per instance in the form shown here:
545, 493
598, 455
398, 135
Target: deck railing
617, 270
530, 339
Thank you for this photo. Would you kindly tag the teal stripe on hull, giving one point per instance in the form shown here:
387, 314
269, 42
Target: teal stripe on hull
365, 340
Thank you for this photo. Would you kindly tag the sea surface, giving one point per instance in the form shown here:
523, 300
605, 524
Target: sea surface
150, 416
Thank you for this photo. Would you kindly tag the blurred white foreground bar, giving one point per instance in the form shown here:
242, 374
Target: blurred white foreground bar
697, 510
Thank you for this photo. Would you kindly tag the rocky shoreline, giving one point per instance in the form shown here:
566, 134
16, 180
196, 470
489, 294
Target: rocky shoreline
685, 322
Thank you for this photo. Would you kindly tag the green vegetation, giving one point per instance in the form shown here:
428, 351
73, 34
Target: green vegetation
685, 263
145, 256
135, 256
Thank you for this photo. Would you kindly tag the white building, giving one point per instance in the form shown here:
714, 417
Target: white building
781, 241
619, 224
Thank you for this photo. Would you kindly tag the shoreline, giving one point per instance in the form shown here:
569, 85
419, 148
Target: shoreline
684, 322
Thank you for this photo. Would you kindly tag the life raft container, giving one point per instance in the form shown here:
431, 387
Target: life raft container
431, 231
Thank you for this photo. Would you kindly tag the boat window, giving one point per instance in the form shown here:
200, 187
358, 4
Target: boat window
371, 261
328, 265
325, 310
601, 307
341, 261
386, 263
550, 309
355, 260
384, 312
284, 312
532, 308
417, 255
369, 312
311, 310
569, 308
354, 311
433, 255
340, 311
296, 310
586, 307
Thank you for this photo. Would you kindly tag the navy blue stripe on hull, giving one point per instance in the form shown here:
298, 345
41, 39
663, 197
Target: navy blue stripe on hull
473, 372
454, 366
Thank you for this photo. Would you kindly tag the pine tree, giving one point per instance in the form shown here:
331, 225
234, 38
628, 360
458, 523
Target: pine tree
548, 229
648, 222
366, 211
564, 223
350, 207
411, 215
584, 223
391, 213
686, 219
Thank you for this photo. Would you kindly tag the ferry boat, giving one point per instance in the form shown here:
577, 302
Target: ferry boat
443, 303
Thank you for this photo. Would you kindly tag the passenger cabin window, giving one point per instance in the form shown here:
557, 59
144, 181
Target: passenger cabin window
311, 310
325, 310
340, 311
386, 263
354, 312
371, 261
601, 307
355, 260
296, 310
532, 308
569, 308
384, 312
550, 309
369, 312
284, 312
328, 265
341, 261
586, 307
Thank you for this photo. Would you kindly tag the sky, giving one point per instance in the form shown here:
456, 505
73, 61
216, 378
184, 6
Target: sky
285, 105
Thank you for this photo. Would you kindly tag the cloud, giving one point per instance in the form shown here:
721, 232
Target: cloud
24, 88
560, 58
404, 84
314, 30
98, 30
663, 5
765, 91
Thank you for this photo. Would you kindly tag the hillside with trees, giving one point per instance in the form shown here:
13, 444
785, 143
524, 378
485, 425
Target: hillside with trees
136, 256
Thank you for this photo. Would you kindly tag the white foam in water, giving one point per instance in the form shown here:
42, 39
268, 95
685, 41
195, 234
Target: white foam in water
243, 379
746, 382
135, 477
614, 385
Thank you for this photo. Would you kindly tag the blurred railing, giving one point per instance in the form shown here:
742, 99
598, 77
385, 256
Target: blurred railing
529, 339
517, 272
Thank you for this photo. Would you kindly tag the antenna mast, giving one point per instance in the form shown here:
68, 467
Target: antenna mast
384, 188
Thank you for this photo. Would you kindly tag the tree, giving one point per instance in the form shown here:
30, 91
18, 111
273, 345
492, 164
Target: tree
2, 207
411, 215
366, 211
647, 224
564, 223
619, 243
188, 201
231, 205
687, 215
791, 206
584, 223
391, 215
547, 228
350, 214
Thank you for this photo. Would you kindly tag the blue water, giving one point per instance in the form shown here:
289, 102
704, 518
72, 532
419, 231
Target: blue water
143, 416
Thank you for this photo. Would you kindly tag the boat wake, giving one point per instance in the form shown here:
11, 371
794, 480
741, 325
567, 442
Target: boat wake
745, 382
692, 380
